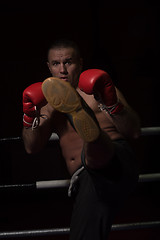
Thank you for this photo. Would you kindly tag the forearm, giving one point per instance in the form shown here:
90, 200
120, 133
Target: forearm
127, 123
36, 139
111, 101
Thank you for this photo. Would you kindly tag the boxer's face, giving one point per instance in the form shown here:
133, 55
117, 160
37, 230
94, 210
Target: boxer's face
64, 63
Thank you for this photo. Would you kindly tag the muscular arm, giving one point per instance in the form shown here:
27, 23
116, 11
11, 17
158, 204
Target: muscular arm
99, 83
36, 139
127, 121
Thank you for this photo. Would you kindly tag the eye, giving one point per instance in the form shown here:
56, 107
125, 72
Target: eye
55, 63
68, 62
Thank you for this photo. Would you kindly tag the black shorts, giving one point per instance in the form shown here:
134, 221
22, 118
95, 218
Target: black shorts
99, 194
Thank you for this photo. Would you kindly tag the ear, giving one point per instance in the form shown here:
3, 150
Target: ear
48, 66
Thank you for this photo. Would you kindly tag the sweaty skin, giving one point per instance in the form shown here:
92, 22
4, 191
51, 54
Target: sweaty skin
64, 63
71, 144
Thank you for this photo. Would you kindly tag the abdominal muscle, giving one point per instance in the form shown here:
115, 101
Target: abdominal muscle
72, 145
70, 142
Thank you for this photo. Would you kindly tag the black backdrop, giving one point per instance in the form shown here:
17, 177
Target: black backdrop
119, 36
123, 35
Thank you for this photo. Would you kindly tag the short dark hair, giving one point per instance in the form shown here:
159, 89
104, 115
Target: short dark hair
65, 43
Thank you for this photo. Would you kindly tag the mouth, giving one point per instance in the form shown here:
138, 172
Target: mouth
64, 79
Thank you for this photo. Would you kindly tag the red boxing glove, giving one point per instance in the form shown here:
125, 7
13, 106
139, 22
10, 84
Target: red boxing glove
33, 100
99, 83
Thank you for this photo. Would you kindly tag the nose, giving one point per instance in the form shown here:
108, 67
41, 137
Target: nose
63, 69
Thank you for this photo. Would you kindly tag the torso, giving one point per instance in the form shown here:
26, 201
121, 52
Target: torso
71, 144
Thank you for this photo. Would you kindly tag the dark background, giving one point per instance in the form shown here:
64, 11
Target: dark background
121, 37
124, 34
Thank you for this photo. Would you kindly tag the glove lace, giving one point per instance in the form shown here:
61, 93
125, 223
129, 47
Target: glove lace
35, 123
106, 109
36, 120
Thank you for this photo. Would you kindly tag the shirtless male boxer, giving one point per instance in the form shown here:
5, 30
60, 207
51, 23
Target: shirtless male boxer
93, 122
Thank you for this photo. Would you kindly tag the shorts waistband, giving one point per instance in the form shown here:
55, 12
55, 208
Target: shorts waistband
74, 179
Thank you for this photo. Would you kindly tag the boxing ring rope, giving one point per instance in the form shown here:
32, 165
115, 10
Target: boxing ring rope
143, 178
64, 231
152, 177
65, 183
146, 131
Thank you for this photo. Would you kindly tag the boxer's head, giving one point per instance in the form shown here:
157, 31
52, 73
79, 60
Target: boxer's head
64, 61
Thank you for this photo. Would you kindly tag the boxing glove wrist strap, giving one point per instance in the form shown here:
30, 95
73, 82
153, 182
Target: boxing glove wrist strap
111, 110
34, 122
